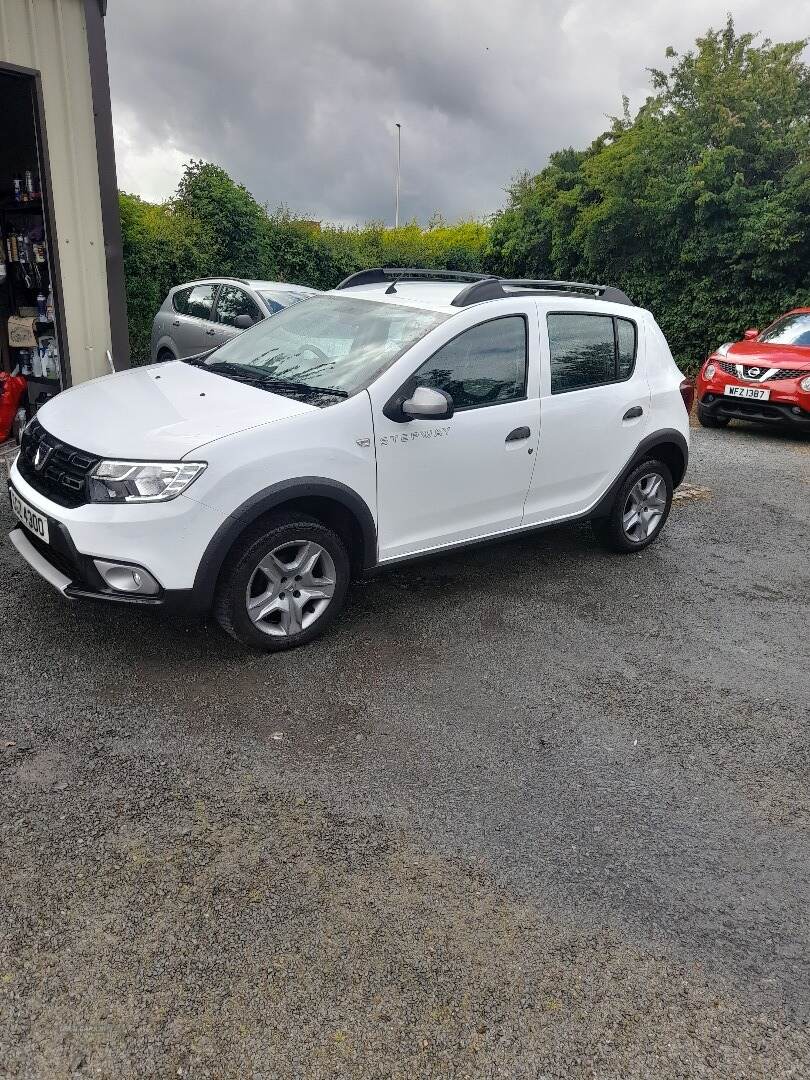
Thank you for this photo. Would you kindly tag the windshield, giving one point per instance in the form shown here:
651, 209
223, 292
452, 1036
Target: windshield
329, 343
791, 330
280, 299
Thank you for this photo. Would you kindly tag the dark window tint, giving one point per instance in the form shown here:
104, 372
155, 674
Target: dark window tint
585, 351
626, 339
199, 302
482, 366
180, 301
232, 302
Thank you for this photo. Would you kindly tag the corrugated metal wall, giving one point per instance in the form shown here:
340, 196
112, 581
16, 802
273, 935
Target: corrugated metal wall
49, 35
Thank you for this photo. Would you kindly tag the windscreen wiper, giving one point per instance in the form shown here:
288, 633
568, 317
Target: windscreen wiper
268, 382
305, 388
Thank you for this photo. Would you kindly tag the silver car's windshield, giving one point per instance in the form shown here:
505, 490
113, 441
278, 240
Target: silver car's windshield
329, 343
281, 298
792, 330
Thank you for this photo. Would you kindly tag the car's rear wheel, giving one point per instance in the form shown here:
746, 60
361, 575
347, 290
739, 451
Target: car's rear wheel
284, 583
639, 510
709, 420
164, 356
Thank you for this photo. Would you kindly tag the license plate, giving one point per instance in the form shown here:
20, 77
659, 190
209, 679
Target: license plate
747, 392
34, 521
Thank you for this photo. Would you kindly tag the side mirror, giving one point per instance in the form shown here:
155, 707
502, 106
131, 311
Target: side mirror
428, 404
751, 334
243, 322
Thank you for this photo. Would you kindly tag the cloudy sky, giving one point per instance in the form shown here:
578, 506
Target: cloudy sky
297, 99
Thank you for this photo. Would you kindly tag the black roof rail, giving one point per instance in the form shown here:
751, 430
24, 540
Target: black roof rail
609, 293
482, 287
379, 274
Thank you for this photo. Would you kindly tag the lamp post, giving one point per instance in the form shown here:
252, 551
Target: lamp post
399, 163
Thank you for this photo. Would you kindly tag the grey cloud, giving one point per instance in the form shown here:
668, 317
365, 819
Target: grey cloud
297, 100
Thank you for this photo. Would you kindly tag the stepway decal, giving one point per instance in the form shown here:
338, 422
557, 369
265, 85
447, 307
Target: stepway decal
411, 436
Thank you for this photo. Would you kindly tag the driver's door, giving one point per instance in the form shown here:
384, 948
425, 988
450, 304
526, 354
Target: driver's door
443, 482
232, 303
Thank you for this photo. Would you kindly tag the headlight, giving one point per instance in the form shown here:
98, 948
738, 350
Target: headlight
805, 383
722, 350
709, 371
141, 481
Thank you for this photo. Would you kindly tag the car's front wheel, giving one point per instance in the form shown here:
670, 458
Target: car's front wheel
639, 510
284, 583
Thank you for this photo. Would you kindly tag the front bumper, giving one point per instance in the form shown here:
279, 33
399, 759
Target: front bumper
765, 412
75, 576
167, 540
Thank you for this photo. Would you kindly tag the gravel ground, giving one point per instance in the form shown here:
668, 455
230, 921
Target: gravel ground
529, 811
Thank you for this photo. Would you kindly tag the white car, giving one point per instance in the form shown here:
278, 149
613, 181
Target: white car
404, 413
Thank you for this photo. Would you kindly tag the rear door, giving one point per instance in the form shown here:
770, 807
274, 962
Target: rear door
232, 304
191, 327
594, 409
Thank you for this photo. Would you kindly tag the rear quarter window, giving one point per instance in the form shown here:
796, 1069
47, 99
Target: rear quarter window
180, 301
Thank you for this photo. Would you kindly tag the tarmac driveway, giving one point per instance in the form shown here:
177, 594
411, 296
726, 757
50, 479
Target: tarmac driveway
529, 811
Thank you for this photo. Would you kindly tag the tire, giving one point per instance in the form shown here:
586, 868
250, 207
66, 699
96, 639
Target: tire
613, 532
164, 356
282, 619
705, 419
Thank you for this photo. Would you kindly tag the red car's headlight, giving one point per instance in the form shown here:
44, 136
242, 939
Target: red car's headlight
709, 371
805, 383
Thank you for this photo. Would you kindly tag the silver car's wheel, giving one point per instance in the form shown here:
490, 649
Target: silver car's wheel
291, 588
645, 507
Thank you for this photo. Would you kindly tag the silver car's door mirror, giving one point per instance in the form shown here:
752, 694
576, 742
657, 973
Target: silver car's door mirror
426, 403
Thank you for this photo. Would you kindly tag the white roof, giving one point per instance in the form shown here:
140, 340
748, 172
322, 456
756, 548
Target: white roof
432, 295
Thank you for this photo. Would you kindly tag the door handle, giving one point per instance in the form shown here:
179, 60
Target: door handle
519, 434
634, 413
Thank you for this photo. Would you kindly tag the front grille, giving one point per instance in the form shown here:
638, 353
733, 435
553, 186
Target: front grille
774, 374
62, 477
789, 373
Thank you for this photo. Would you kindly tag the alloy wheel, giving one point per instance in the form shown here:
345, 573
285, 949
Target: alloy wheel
645, 507
291, 588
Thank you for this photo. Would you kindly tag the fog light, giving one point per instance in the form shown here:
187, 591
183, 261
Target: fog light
127, 579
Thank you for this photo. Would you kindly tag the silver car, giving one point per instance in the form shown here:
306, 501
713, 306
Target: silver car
200, 315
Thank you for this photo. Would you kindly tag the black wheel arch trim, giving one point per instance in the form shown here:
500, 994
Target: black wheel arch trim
271, 498
667, 436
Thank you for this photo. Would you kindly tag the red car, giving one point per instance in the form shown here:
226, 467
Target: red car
764, 377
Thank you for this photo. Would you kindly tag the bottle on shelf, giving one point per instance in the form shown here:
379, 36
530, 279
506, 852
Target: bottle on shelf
18, 189
42, 303
36, 362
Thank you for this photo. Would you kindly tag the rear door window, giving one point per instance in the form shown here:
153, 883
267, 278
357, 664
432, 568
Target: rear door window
200, 301
589, 350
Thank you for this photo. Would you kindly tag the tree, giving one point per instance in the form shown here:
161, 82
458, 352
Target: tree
697, 206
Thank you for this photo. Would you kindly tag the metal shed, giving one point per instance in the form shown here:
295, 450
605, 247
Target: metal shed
53, 53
